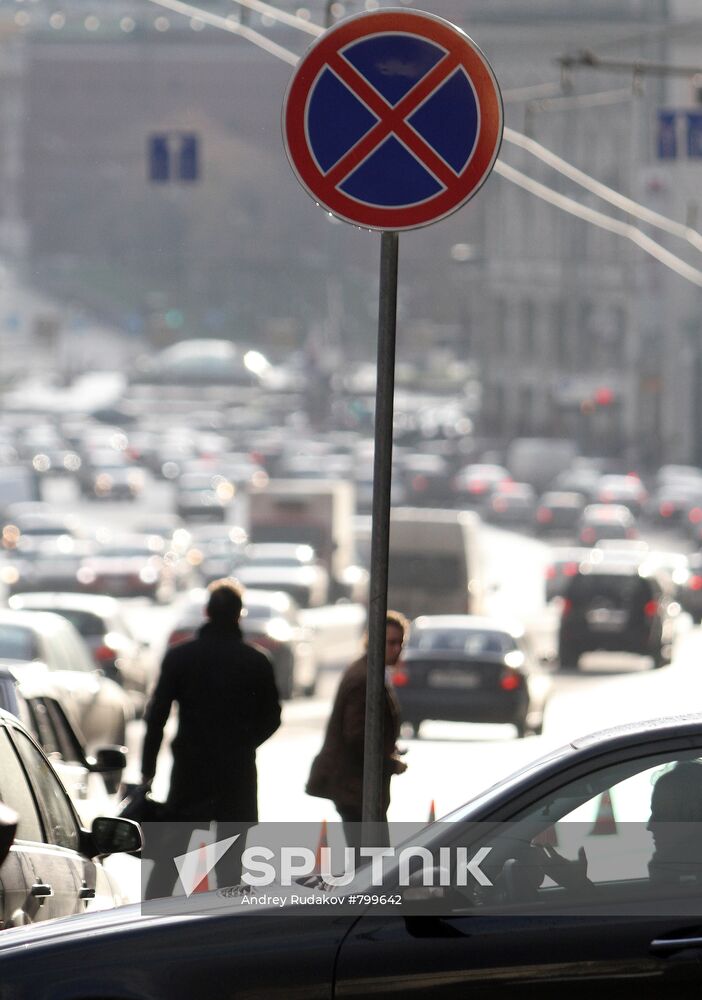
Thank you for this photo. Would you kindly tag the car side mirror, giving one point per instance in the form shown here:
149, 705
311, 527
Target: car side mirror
8, 828
113, 835
110, 758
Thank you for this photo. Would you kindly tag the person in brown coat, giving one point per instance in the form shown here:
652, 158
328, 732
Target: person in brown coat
337, 771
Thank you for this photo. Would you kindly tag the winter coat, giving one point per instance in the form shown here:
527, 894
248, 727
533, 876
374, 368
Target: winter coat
227, 706
339, 765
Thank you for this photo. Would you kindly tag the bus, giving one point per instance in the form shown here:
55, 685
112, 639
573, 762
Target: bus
436, 562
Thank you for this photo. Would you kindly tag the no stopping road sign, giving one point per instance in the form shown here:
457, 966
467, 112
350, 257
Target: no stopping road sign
393, 119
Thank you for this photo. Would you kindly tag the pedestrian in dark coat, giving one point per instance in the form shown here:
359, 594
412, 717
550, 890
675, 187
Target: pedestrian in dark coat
227, 707
337, 771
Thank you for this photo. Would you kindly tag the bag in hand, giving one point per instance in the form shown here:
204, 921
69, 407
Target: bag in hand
321, 783
141, 807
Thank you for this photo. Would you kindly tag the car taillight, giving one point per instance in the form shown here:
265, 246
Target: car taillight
570, 569
551, 573
566, 606
695, 582
666, 509
544, 515
650, 608
103, 653
419, 483
511, 681
179, 635
477, 486
695, 515
399, 676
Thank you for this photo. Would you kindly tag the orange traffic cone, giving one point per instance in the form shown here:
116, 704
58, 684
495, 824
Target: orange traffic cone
547, 837
432, 812
323, 842
605, 823
203, 885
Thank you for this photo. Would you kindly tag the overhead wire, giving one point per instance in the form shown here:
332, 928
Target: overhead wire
517, 177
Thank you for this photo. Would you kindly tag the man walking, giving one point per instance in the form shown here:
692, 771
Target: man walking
337, 771
227, 707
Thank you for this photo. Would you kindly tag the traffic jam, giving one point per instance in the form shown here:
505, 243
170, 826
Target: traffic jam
387, 657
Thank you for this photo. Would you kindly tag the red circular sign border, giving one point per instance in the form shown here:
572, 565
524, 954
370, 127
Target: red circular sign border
487, 91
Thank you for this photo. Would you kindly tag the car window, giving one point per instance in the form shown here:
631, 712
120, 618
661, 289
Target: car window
638, 823
472, 643
62, 828
85, 622
52, 730
18, 643
16, 793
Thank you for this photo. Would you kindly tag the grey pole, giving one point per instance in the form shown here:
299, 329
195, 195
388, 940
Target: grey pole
380, 536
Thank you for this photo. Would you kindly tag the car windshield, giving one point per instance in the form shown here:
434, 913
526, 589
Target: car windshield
473, 642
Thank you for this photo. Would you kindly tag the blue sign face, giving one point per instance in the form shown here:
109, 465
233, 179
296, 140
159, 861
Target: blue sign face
396, 172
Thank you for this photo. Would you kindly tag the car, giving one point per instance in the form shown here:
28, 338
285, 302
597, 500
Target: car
427, 480
627, 490
474, 484
216, 548
562, 565
558, 512
511, 505
691, 589
101, 623
672, 502
203, 494
130, 566
464, 668
616, 607
40, 703
285, 566
516, 931
270, 620
53, 867
46, 643
38, 563
108, 474
600, 521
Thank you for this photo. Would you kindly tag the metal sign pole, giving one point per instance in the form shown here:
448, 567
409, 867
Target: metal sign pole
380, 537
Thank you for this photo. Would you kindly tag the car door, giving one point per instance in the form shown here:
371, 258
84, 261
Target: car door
56, 860
624, 933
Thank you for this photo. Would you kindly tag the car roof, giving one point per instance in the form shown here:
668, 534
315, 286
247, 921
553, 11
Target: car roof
99, 604
466, 622
37, 621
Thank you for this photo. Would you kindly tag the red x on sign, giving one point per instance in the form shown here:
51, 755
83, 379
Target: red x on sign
393, 119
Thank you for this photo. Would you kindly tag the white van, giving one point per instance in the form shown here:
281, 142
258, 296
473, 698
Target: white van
436, 562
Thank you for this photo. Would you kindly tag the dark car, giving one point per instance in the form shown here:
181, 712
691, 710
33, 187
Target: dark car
427, 480
619, 933
562, 565
49, 564
110, 475
616, 608
51, 869
601, 521
462, 668
203, 494
512, 505
626, 490
558, 512
474, 484
130, 566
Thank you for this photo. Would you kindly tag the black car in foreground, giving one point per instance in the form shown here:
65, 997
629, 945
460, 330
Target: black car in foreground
629, 927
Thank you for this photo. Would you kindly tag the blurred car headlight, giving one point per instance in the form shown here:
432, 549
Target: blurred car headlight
85, 575
10, 574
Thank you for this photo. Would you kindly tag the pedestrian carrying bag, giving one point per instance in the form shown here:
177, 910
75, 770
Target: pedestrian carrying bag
141, 807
